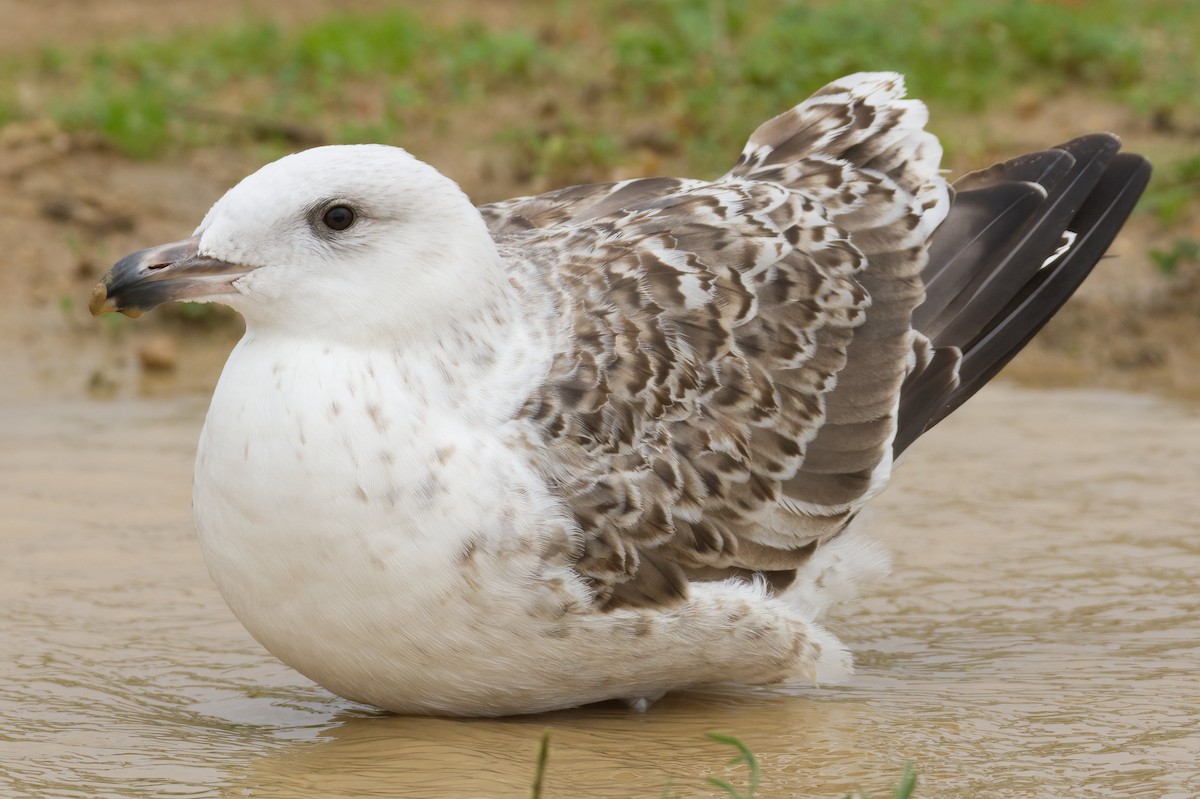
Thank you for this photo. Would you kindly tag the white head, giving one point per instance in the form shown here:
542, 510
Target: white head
352, 242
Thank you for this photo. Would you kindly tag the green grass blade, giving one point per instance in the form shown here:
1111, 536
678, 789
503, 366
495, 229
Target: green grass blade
539, 773
908, 783
744, 755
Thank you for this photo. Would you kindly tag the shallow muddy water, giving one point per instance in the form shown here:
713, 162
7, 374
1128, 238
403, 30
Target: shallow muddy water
1038, 637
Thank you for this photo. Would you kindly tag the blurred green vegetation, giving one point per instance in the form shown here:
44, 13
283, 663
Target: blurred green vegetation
703, 73
1183, 252
1175, 188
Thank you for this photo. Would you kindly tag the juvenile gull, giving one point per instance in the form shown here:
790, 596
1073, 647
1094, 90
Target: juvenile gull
607, 441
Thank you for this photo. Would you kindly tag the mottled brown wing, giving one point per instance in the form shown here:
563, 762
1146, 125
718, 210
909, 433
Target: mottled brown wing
512, 219
725, 390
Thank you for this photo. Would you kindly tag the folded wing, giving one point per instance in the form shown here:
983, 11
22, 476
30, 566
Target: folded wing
738, 360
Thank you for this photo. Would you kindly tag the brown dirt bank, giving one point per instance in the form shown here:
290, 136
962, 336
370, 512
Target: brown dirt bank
69, 207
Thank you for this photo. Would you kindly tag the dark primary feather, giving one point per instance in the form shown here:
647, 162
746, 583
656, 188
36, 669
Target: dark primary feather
983, 305
740, 358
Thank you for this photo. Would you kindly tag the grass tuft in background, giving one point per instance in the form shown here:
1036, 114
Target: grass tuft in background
566, 93
703, 67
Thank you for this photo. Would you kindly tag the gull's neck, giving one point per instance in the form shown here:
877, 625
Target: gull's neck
479, 358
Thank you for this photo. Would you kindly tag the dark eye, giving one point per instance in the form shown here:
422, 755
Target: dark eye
339, 217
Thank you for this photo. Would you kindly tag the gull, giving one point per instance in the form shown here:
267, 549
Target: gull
608, 441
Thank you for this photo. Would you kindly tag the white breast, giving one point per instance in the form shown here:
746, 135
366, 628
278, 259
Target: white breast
336, 493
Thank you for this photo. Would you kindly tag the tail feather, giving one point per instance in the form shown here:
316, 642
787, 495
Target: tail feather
983, 221
1096, 225
979, 289
990, 282
1046, 168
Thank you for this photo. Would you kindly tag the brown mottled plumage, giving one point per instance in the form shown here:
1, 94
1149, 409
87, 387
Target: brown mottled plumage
707, 409
729, 391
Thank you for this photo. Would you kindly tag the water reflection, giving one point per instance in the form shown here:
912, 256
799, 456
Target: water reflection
1038, 638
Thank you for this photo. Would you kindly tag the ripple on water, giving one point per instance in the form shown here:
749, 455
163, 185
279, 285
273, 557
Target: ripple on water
1038, 638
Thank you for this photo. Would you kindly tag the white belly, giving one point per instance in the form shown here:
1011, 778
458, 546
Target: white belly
381, 535
340, 512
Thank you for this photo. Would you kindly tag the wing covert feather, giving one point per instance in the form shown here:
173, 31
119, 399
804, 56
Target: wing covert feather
701, 418
738, 361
